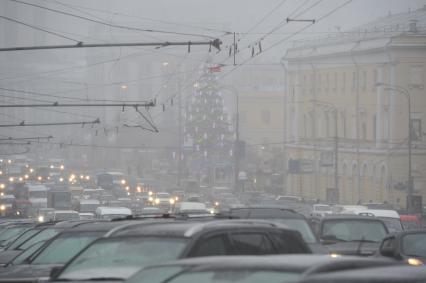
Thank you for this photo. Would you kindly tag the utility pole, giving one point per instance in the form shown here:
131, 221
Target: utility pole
180, 134
336, 155
237, 142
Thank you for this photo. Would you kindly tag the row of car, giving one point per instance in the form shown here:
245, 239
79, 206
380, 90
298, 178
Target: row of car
126, 249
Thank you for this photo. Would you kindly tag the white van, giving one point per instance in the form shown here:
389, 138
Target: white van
390, 217
109, 213
191, 208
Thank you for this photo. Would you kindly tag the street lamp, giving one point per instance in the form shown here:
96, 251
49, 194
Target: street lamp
336, 142
403, 91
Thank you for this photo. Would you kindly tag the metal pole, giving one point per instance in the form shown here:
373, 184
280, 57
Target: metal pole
180, 135
237, 140
336, 156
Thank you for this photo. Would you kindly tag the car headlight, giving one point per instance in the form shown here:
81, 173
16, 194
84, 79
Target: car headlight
26, 176
216, 203
151, 199
172, 201
2, 186
157, 201
11, 179
127, 188
62, 167
2, 207
414, 261
150, 193
334, 255
176, 198
123, 182
87, 177
40, 218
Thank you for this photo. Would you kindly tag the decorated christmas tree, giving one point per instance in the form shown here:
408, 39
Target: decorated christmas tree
207, 123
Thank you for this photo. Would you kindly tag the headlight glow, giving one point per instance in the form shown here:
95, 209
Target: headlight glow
150, 193
172, 201
2, 186
151, 199
157, 201
123, 182
87, 177
62, 167
334, 255
2, 207
40, 218
11, 179
414, 261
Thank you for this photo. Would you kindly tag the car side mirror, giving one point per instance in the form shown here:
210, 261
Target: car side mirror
328, 239
55, 271
387, 251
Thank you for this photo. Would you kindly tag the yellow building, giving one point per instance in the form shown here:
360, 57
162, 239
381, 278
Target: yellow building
347, 84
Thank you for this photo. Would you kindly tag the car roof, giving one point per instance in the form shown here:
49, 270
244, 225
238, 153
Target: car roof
256, 211
348, 217
302, 263
175, 228
97, 226
397, 274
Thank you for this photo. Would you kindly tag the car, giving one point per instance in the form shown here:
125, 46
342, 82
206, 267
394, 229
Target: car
123, 251
320, 210
407, 246
386, 274
55, 252
411, 221
108, 213
351, 234
247, 269
63, 215
390, 217
278, 214
190, 208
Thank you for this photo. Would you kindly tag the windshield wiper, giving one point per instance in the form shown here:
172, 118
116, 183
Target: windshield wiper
105, 279
363, 240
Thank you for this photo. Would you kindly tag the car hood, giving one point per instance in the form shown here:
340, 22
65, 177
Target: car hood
27, 271
353, 248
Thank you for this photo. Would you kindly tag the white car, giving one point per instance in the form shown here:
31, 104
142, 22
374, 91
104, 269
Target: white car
321, 210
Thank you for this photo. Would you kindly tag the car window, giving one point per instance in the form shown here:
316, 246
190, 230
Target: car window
288, 244
214, 245
64, 248
414, 245
251, 244
388, 243
300, 225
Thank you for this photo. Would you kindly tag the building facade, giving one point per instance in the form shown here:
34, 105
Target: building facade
348, 96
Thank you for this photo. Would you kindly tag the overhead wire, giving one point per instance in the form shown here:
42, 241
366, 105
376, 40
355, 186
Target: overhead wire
109, 24
39, 29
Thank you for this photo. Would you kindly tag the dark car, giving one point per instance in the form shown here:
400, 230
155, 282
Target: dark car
351, 235
288, 217
247, 269
26, 239
405, 246
55, 252
390, 274
124, 251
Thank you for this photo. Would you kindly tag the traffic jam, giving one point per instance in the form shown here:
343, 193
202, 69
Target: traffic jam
63, 225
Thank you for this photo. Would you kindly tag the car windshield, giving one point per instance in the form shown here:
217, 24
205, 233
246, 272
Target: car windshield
228, 276
354, 230
27, 253
393, 224
42, 236
122, 257
10, 234
22, 238
64, 247
414, 245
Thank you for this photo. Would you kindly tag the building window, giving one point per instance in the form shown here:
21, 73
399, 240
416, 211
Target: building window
335, 82
416, 129
375, 80
344, 82
319, 83
364, 80
353, 81
327, 82
343, 118
266, 116
415, 73
375, 127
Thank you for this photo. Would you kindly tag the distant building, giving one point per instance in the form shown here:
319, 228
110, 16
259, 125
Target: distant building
340, 75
